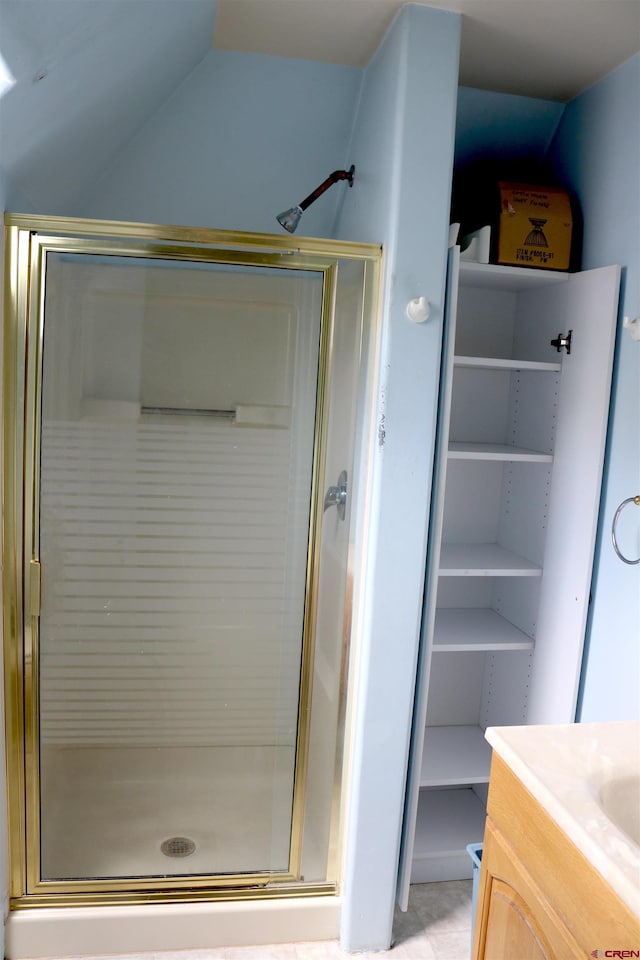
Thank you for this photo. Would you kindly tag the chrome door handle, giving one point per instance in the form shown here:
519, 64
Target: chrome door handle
337, 496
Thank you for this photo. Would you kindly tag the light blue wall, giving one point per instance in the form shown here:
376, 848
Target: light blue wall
597, 154
502, 127
242, 138
87, 75
403, 151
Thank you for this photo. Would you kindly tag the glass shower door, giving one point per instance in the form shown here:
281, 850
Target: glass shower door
178, 439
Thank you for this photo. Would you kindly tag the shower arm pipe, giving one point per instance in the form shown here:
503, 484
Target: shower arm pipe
324, 186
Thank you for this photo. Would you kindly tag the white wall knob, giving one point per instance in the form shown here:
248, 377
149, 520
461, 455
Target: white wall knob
633, 326
418, 310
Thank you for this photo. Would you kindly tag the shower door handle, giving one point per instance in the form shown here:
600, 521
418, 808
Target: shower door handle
337, 496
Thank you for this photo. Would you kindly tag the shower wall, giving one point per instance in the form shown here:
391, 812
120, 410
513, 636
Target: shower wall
243, 137
402, 144
175, 613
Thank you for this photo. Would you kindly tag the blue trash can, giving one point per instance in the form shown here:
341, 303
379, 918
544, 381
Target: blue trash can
475, 852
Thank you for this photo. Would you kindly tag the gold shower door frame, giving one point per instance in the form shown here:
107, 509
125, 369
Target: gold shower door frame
28, 241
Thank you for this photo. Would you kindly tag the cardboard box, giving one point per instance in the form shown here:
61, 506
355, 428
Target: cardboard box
534, 228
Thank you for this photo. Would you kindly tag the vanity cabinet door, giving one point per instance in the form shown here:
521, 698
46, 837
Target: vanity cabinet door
512, 930
514, 918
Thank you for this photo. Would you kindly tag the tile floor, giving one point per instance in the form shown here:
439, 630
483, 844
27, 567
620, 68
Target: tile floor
437, 926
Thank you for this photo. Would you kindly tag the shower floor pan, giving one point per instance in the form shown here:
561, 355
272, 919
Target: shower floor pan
106, 811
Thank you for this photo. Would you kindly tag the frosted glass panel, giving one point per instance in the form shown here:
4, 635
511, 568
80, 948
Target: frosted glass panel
178, 406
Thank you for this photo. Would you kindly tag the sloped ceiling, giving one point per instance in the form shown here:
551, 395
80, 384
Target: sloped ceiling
87, 76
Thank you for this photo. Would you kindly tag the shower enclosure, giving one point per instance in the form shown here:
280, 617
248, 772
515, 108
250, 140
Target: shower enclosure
177, 584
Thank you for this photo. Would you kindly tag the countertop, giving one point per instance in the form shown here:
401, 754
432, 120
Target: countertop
564, 767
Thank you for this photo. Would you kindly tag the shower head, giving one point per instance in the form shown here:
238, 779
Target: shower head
290, 218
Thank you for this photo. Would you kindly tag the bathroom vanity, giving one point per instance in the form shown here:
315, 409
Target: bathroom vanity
560, 872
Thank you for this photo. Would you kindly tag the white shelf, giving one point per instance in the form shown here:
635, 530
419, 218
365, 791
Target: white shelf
483, 560
460, 630
459, 450
499, 363
454, 756
447, 821
495, 276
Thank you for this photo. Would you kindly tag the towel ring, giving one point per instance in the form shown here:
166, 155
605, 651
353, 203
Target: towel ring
635, 500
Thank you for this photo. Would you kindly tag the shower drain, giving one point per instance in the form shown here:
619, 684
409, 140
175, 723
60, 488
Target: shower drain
178, 847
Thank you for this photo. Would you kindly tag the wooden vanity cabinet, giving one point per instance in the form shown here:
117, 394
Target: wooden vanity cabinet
539, 898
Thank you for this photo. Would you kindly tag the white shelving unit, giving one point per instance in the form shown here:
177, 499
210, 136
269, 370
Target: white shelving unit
494, 363
443, 817
495, 451
470, 629
521, 431
455, 756
484, 560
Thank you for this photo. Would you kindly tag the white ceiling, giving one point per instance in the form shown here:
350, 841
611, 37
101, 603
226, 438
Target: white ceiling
552, 49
